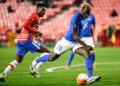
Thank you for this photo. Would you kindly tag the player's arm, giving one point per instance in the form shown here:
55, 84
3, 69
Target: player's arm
31, 21
95, 30
76, 37
95, 34
74, 22
39, 37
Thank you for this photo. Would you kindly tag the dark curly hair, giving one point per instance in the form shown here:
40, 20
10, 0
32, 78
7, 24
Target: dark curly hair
87, 5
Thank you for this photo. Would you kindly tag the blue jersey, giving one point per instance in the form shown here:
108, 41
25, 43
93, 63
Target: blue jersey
76, 20
83, 26
86, 23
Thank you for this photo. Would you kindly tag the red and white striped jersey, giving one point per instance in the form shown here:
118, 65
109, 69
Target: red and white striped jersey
29, 28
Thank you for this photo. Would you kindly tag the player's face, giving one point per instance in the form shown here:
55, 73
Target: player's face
85, 13
41, 11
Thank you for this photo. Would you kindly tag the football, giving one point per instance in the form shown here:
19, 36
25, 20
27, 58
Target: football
82, 78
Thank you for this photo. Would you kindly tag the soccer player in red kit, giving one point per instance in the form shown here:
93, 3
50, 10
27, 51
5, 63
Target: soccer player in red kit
26, 42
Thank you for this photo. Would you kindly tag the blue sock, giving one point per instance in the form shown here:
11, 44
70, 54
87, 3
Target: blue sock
93, 57
70, 58
43, 58
89, 66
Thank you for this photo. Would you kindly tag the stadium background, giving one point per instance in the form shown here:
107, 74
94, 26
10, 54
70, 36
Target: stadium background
13, 14
54, 24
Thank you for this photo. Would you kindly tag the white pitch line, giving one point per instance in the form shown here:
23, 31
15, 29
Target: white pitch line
101, 69
58, 67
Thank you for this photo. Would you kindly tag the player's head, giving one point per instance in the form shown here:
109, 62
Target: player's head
41, 8
86, 10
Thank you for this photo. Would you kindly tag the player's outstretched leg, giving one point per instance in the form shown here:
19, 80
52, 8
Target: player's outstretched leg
34, 67
37, 63
9, 68
89, 65
35, 73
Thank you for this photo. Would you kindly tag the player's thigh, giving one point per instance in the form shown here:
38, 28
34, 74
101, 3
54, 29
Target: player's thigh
89, 41
81, 51
43, 49
62, 45
76, 46
33, 46
21, 49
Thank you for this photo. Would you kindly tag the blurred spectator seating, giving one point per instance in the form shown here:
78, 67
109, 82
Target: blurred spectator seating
55, 28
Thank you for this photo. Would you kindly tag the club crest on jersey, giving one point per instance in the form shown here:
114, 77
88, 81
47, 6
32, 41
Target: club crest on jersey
89, 19
74, 26
32, 20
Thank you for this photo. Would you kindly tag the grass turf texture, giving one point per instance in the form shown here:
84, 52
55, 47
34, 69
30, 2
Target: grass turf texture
60, 77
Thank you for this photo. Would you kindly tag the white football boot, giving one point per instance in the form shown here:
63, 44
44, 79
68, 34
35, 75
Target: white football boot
93, 79
35, 73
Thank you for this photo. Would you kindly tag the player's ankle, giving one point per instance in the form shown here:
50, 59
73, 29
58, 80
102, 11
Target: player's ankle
67, 67
94, 66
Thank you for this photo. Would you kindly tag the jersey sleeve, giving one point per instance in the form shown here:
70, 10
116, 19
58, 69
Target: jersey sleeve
74, 20
31, 21
93, 20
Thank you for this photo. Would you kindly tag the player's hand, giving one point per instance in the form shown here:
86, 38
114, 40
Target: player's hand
38, 33
39, 39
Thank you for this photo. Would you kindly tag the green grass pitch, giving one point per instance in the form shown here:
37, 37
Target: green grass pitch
107, 63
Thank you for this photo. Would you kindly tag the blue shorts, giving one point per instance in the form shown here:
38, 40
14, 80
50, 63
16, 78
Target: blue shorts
24, 47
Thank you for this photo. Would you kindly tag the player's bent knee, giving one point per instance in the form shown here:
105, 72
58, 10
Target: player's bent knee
48, 51
19, 58
83, 52
51, 58
87, 55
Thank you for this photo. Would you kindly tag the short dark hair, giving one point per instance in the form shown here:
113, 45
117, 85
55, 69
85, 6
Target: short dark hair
41, 4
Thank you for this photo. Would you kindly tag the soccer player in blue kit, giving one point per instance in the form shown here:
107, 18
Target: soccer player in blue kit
73, 40
86, 38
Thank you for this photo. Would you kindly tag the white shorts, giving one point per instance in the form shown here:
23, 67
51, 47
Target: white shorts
88, 41
64, 45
